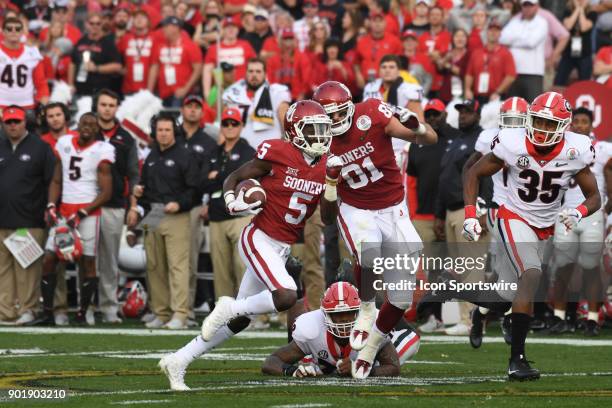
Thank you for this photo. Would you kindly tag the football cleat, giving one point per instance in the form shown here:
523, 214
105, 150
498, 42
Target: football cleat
520, 370
174, 371
80, 318
591, 328
363, 326
217, 318
558, 326
506, 327
46, 319
362, 366
476, 329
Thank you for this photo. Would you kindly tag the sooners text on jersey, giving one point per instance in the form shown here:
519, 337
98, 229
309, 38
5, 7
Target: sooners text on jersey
80, 171
371, 179
537, 183
293, 189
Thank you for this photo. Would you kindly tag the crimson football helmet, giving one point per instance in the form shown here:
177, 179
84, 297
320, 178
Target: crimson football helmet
338, 298
133, 299
556, 111
336, 97
67, 242
307, 126
513, 112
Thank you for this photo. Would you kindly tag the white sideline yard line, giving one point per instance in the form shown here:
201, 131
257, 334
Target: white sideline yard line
338, 382
283, 335
134, 402
311, 405
29, 351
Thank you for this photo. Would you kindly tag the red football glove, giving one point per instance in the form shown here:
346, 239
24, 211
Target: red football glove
51, 215
75, 219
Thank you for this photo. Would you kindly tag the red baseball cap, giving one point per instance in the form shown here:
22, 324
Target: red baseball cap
287, 33
315, 2
13, 113
409, 34
377, 14
231, 113
193, 98
227, 21
435, 104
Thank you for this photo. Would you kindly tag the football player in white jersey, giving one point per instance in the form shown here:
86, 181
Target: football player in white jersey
540, 160
512, 114
391, 88
323, 334
82, 183
583, 244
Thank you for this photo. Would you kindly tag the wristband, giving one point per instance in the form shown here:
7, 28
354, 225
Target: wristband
82, 213
583, 210
470, 211
330, 181
229, 196
130, 233
331, 194
50, 205
289, 369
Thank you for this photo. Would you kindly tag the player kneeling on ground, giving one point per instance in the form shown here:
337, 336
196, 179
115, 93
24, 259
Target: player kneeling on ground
323, 335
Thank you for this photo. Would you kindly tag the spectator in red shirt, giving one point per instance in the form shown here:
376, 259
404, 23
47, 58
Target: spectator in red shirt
419, 64
602, 70
479, 22
231, 50
57, 49
435, 42
290, 67
121, 20
453, 66
490, 70
208, 30
136, 49
318, 34
333, 67
60, 14
383, 6
372, 47
176, 64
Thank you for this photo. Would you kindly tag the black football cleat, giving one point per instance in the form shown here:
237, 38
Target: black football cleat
46, 319
558, 326
520, 370
591, 328
506, 327
80, 319
476, 329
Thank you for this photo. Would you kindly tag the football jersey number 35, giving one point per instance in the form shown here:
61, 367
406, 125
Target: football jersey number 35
547, 191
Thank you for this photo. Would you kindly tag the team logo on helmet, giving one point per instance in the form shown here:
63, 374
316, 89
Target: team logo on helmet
323, 354
568, 107
522, 162
572, 153
364, 122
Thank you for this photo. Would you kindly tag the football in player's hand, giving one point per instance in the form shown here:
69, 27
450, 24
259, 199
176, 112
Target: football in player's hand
253, 191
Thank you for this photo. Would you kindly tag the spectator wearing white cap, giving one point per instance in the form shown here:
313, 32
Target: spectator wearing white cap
525, 36
420, 21
261, 30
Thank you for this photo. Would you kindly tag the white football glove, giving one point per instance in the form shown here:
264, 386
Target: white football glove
410, 119
570, 218
471, 229
237, 206
307, 370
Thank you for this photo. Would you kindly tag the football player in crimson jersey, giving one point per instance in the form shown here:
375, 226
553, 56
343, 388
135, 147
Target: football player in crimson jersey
584, 244
83, 181
370, 204
540, 160
323, 334
292, 172
512, 114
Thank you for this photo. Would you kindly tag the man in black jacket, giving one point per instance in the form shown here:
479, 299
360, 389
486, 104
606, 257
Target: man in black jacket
202, 146
26, 168
449, 203
125, 176
170, 179
225, 229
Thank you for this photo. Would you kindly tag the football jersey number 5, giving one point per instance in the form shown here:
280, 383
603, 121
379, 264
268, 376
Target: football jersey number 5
547, 191
297, 203
75, 170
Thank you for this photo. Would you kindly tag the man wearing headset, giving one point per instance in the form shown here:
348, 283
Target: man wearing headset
169, 178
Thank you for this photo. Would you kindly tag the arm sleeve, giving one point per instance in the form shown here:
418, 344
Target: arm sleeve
300, 336
499, 149
108, 153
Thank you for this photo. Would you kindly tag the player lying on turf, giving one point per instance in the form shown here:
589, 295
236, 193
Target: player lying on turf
323, 335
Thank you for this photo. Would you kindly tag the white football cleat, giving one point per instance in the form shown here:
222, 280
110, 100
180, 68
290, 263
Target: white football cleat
363, 325
174, 371
362, 366
217, 318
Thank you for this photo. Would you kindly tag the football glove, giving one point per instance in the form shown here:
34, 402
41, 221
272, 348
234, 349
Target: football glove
237, 206
570, 217
75, 219
410, 119
51, 215
471, 229
307, 370
333, 169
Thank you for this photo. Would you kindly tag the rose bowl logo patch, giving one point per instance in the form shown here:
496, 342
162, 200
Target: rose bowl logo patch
364, 123
572, 153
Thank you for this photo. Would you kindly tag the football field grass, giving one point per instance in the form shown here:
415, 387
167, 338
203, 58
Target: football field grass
117, 366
